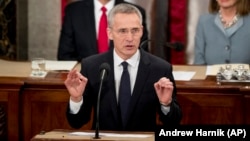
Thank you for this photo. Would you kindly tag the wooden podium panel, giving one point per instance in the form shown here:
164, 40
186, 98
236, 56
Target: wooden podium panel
246, 91
44, 103
212, 109
59, 135
247, 106
205, 102
9, 108
31, 105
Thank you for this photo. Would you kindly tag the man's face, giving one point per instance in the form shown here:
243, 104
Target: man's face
126, 32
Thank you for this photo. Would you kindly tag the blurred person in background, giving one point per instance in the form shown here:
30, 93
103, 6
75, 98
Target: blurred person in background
80, 29
223, 35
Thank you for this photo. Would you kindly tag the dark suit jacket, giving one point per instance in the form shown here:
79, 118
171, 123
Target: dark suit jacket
78, 35
144, 102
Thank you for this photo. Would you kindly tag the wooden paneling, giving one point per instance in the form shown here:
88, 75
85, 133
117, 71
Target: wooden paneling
33, 105
9, 101
205, 102
210, 108
44, 103
246, 91
247, 109
43, 110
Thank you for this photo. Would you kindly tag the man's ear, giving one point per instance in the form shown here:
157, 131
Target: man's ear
110, 35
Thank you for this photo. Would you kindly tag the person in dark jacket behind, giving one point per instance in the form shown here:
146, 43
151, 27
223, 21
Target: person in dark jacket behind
79, 33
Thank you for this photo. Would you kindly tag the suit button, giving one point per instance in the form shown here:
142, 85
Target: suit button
227, 47
227, 61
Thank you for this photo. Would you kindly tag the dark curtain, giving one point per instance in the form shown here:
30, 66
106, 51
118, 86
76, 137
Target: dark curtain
159, 16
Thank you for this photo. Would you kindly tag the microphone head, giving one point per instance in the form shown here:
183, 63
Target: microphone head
178, 46
144, 44
104, 70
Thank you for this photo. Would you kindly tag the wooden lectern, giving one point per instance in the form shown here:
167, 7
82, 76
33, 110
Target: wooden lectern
66, 135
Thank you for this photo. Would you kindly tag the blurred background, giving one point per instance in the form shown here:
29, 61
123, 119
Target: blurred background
31, 28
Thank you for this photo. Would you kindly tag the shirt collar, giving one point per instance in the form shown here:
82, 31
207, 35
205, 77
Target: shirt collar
108, 6
132, 61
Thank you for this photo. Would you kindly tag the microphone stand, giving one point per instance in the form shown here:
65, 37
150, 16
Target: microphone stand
98, 107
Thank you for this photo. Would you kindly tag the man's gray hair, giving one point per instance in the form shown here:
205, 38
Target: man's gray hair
123, 8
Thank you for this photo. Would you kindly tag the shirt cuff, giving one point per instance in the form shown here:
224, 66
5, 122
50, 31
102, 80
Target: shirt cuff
75, 106
165, 109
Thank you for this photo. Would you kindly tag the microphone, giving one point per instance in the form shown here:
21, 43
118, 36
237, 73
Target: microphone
104, 69
178, 46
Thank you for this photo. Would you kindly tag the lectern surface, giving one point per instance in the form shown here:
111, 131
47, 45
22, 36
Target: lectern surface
59, 135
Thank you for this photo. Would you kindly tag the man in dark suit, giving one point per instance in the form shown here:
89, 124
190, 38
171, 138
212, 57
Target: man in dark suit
78, 38
153, 88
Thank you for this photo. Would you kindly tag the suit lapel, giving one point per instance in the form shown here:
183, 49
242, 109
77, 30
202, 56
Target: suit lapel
235, 28
111, 80
230, 31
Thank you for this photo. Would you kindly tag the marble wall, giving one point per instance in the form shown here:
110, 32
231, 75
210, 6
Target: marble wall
44, 24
